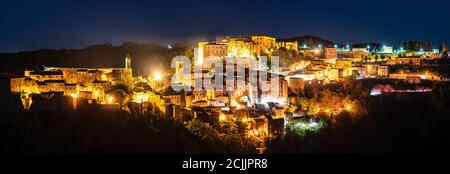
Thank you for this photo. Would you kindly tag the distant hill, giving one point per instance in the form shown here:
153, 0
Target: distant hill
310, 41
145, 57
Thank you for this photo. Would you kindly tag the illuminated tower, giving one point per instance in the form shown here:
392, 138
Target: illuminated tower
178, 71
128, 61
127, 73
198, 59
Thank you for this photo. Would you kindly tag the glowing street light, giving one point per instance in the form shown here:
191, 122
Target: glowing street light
157, 76
269, 51
104, 77
74, 96
110, 99
348, 107
222, 117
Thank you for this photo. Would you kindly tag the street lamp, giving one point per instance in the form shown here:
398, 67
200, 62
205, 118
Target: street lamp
348, 107
110, 99
157, 76
74, 95
222, 117
158, 82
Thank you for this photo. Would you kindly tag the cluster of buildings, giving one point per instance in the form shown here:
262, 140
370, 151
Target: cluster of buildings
259, 105
334, 63
255, 104
238, 46
88, 83
324, 63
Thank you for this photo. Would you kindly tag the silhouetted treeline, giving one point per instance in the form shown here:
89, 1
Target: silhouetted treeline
417, 45
52, 125
145, 57
88, 130
310, 41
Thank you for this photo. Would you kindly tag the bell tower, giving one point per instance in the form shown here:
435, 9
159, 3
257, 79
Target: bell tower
128, 61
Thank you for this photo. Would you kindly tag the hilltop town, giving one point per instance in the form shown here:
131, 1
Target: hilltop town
305, 66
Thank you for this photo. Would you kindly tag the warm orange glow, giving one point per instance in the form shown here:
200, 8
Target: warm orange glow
140, 97
110, 99
222, 117
348, 107
157, 76
74, 96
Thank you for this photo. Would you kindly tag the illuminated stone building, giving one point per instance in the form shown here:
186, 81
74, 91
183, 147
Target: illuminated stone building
343, 63
263, 42
333, 74
360, 50
383, 70
240, 47
408, 60
329, 53
230, 46
353, 54
90, 83
289, 45
215, 50
198, 60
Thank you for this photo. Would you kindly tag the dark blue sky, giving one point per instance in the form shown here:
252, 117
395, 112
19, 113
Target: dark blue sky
35, 24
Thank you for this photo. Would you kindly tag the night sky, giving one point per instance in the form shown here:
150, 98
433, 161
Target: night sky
30, 25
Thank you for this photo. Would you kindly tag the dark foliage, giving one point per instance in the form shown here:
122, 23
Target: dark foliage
393, 123
145, 57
